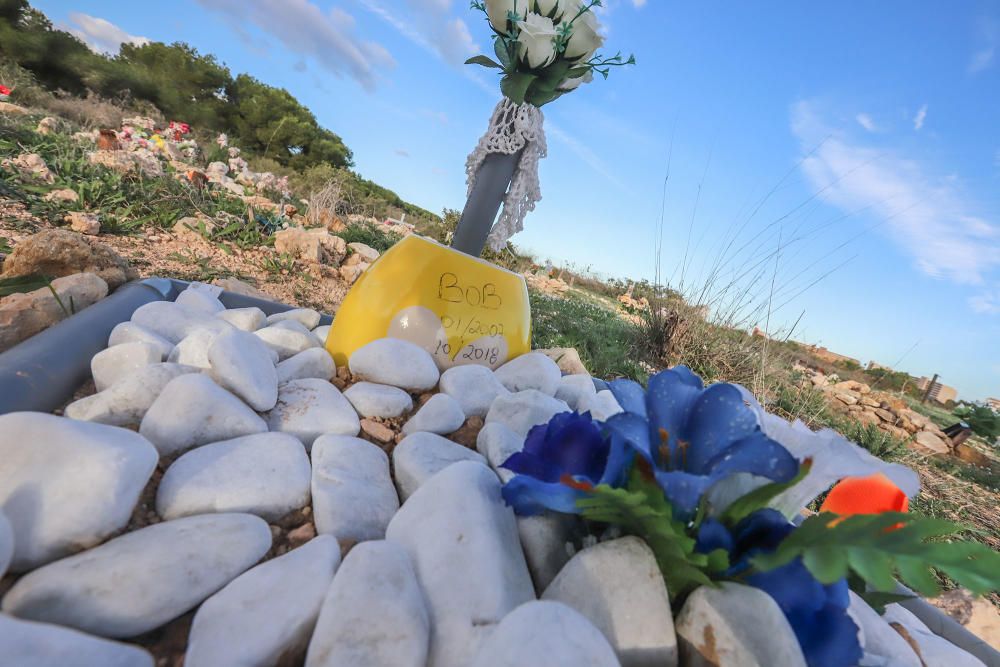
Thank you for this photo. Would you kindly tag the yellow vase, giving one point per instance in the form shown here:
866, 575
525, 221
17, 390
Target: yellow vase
461, 309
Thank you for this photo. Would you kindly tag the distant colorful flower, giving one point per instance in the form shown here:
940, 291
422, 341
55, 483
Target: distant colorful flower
5, 92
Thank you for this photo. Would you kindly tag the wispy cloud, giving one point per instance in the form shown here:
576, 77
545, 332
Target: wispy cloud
918, 120
931, 218
984, 57
402, 152
429, 25
865, 121
987, 302
101, 35
327, 38
639, 3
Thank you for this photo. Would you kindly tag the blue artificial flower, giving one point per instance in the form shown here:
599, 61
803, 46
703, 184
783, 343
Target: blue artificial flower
560, 461
693, 436
817, 613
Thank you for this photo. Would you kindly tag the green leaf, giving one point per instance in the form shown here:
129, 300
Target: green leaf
484, 61
760, 497
22, 284
873, 546
504, 55
878, 600
515, 86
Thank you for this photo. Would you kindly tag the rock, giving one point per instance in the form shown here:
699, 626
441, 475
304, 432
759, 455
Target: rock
367, 253
530, 371
378, 431
543, 539
210, 414
245, 319
301, 535
442, 414
47, 125
462, 539
286, 342
65, 195
931, 443
31, 167
524, 409
395, 362
474, 387
193, 349
933, 650
174, 322
353, 495
307, 317
618, 587
977, 614
241, 363
59, 252
879, 639
265, 474
312, 245
601, 405
6, 545
237, 286
422, 455
128, 332
119, 361
573, 389
322, 333
550, 629
351, 272
126, 402
293, 325
140, 161
310, 408
378, 400
844, 397
735, 626
374, 612
141, 580
498, 443
267, 614
869, 402
23, 315
315, 362
29, 644
66, 485
84, 223
13, 109
885, 415
568, 360
200, 298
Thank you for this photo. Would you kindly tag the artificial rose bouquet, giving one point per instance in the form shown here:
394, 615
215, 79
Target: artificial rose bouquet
545, 48
715, 486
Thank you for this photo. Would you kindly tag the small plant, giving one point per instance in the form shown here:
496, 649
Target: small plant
283, 264
370, 235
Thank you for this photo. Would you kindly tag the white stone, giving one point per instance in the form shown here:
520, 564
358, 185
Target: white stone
6, 545
474, 387
192, 350
291, 325
267, 614
530, 371
735, 626
285, 342
543, 540
549, 629
310, 408
498, 443
307, 317
200, 298
574, 388
441, 414
395, 362
352, 492
368, 253
241, 362
175, 322
245, 319
322, 333
30, 644
128, 332
600, 406
935, 651
879, 639
421, 455
141, 580
65, 485
463, 541
525, 409
618, 587
374, 614
126, 402
378, 400
267, 474
192, 411
116, 362
315, 362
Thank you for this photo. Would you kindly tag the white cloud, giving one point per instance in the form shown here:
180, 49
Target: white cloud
987, 303
865, 121
989, 36
918, 120
931, 218
982, 59
402, 152
304, 29
101, 35
429, 25
639, 3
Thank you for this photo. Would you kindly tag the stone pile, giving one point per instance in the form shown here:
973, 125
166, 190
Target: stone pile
543, 283
885, 411
221, 489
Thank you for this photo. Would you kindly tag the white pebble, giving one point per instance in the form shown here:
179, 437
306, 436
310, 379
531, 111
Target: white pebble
126, 402
307, 317
574, 388
378, 400
474, 387
422, 455
128, 332
285, 342
242, 363
310, 408
395, 362
30, 644
322, 333
114, 363
6, 544
315, 362
246, 319
197, 298
533, 370
524, 410
442, 414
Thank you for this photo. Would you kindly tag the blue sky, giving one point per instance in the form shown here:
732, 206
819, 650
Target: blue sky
853, 144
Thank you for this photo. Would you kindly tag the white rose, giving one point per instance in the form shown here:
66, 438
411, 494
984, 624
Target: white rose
536, 44
498, 10
573, 84
585, 39
545, 7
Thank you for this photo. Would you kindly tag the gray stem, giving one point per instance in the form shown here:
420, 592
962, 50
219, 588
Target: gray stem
492, 181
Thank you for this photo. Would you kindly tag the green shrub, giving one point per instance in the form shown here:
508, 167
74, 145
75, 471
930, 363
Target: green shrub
370, 235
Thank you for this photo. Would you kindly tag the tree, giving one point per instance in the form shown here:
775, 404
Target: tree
982, 419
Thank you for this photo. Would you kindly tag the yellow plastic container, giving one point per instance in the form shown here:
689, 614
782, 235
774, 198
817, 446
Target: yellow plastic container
461, 309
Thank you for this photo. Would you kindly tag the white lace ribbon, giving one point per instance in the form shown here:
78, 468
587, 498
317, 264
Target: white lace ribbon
512, 128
